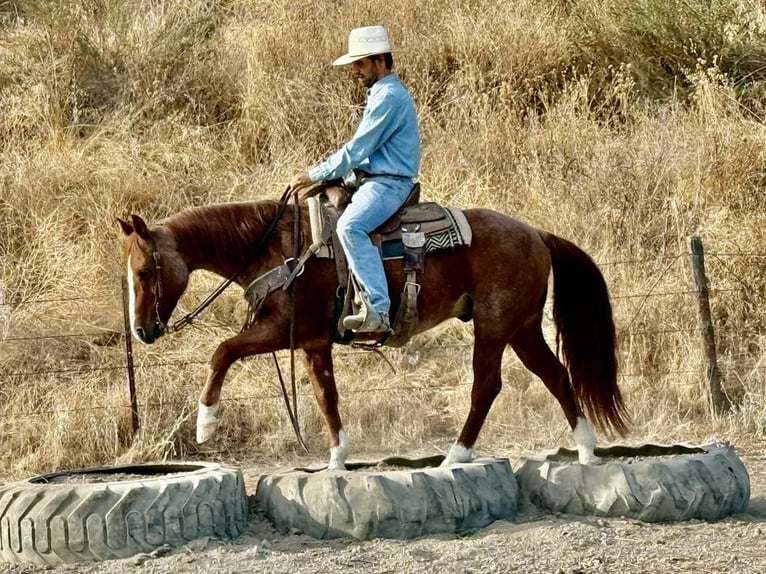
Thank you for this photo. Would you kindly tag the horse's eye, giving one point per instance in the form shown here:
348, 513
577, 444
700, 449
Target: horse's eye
144, 274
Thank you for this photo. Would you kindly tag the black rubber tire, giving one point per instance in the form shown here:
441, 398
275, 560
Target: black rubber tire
47, 520
368, 503
661, 484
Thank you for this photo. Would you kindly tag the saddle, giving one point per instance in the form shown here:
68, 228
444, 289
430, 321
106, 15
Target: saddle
414, 230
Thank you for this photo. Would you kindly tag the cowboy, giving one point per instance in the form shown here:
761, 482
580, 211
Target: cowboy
384, 154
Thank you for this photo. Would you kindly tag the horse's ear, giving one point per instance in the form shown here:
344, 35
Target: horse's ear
127, 228
140, 227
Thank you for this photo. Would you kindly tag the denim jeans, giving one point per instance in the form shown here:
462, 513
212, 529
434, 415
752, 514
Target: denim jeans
373, 203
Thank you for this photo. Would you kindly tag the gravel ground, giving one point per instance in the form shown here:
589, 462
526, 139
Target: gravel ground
533, 543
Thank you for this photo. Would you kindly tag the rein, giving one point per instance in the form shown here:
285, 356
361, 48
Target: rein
292, 410
189, 317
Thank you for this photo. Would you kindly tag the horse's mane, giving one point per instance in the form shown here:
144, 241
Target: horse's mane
229, 231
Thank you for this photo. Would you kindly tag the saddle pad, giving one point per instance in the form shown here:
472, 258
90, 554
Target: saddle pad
457, 233
442, 227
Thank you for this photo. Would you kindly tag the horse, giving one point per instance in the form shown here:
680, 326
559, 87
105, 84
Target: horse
500, 282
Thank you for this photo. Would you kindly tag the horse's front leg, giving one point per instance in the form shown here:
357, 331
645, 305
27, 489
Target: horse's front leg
210, 398
319, 367
251, 342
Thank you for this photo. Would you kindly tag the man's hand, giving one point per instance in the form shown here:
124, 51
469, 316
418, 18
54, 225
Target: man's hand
300, 181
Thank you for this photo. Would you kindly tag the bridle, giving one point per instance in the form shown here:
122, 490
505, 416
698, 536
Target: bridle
157, 290
189, 317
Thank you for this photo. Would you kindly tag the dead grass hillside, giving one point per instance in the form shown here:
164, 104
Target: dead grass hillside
625, 126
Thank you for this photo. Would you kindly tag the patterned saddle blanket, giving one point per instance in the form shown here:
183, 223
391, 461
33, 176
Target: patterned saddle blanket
429, 223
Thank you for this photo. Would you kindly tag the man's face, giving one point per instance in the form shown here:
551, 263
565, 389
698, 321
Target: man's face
366, 71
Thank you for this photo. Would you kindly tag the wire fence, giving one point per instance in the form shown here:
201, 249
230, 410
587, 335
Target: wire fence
670, 279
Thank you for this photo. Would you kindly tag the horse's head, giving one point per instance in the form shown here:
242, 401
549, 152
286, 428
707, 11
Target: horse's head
157, 277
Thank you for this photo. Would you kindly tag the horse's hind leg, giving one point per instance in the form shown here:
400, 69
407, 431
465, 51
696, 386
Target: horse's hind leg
487, 357
320, 372
530, 346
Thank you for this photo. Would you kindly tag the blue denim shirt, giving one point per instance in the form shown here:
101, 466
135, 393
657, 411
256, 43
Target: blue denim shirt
387, 139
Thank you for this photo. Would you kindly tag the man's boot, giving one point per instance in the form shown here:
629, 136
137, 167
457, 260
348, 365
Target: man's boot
367, 320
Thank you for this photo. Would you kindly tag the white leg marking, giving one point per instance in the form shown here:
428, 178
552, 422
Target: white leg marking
458, 454
132, 303
207, 421
586, 442
339, 453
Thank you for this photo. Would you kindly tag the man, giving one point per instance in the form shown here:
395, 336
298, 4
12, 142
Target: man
384, 153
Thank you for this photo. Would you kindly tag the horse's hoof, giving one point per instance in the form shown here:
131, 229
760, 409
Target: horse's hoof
337, 459
458, 454
589, 460
207, 422
204, 432
339, 453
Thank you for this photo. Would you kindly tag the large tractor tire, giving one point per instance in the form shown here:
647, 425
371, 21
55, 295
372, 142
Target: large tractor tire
401, 503
652, 483
96, 514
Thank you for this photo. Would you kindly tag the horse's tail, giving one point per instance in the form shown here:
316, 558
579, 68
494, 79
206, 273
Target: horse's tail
583, 316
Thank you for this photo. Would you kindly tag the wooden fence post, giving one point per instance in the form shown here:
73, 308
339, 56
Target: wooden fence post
5, 312
718, 402
129, 357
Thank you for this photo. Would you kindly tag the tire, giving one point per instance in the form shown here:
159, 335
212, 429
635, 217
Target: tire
83, 516
659, 484
367, 503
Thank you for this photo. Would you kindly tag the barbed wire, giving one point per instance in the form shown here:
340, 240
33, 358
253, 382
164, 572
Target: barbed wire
25, 302
343, 352
65, 336
347, 392
665, 262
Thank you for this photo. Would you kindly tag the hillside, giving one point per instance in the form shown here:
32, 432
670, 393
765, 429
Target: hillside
624, 126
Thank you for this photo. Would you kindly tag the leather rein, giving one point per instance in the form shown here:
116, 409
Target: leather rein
292, 410
188, 319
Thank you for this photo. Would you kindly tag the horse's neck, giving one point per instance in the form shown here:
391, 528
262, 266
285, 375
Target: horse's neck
223, 239
206, 252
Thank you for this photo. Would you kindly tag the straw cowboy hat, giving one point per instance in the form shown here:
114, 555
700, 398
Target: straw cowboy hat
363, 42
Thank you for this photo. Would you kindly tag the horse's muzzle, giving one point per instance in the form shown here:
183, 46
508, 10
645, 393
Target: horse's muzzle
150, 335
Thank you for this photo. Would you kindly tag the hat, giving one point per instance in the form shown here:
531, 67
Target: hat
363, 42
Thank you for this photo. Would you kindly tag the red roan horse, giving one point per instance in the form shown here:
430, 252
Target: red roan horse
500, 282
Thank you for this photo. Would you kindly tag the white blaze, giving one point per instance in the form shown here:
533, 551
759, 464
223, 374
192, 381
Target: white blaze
132, 301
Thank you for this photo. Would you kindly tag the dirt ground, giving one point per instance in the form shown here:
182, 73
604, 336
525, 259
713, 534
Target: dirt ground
534, 542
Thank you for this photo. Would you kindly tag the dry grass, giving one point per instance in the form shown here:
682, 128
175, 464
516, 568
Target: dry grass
624, 126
